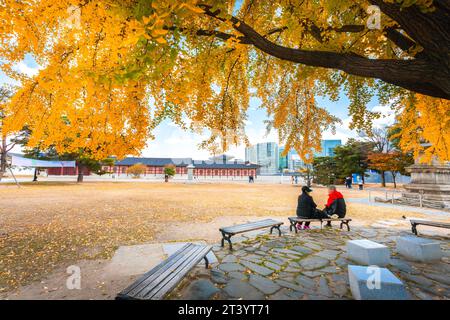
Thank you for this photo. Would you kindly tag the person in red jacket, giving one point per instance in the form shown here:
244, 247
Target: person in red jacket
335, 204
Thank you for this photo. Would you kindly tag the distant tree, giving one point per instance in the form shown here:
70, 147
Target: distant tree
93, 165
137, 169
108, 162
352, 158
325, 170
380, 162
307, 173
398, 164
169, 170
381, 139
395, 162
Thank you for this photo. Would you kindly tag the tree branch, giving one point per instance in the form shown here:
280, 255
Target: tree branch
429, 29
416, 75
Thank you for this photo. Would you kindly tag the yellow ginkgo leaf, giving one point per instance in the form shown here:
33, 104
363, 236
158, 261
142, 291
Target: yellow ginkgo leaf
192, 8
161, 40
146, 20
159, 32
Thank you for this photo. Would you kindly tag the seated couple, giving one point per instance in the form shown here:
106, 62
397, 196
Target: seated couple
307, 208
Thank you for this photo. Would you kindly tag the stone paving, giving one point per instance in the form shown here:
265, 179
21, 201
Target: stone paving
308, 265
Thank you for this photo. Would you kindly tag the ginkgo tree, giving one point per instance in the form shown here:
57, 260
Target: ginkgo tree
112, 70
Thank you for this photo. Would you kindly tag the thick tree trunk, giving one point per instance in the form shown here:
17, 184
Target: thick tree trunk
393, 179
428, 74
2, 158
383, 179
80, 176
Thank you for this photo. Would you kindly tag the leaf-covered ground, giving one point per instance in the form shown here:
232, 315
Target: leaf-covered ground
46, 224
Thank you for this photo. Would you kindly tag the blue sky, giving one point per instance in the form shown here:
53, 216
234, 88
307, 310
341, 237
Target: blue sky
172, 141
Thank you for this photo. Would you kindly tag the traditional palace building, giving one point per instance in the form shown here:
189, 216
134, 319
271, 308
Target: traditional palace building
216, 167
202, 168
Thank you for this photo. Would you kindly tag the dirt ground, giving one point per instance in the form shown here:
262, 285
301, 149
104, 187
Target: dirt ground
47, 226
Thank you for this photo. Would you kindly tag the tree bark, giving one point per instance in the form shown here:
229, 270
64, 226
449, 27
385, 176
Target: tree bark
383, 179
393, 178
3, 157
80, 176
430, 76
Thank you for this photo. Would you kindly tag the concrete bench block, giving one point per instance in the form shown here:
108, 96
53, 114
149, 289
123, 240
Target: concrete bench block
419, 249
374, 283
368, 253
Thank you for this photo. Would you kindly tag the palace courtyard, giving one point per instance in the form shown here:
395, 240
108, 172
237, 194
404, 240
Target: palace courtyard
116, 231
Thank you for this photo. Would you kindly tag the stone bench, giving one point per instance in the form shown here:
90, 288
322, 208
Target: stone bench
367, 252
372, 283
419, 249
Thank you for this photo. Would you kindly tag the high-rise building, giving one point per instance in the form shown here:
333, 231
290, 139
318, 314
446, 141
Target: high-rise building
328, 148
266, 155
283, 160
293, 162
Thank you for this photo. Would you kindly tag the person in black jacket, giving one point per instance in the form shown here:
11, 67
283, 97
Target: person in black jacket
307, 208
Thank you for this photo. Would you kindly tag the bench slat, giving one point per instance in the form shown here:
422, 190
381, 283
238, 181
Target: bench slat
431, 223
151, 283
170, 282
250, 226
142, 282
139, 284
177, 273
307, 220
156, 283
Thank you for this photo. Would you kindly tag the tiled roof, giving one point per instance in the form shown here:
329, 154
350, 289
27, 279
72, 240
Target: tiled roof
183, 162
228, 165
157, 162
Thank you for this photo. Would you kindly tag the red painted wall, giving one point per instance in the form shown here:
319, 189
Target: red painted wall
66, 171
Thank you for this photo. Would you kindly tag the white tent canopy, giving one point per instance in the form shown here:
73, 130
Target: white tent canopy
27, 162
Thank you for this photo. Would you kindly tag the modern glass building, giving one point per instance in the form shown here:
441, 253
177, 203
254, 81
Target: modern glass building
283, 160
266, 155
293, 162
328, 148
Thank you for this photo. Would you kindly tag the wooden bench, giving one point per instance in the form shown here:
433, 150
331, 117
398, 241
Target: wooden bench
160, 280
415, 223
228, 232
295, 220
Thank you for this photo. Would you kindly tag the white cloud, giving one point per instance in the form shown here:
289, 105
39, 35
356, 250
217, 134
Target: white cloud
179, 143
387, 118
22, 67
